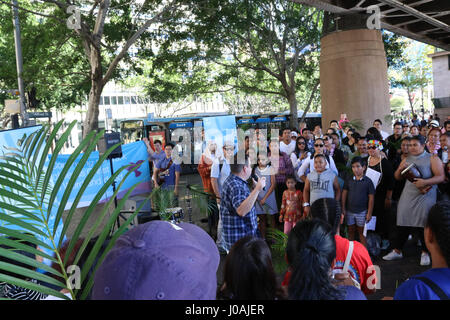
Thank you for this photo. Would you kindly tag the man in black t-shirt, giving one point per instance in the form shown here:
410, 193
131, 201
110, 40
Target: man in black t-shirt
393, 141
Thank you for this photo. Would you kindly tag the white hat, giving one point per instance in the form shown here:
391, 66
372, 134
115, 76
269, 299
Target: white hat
434, 123
294, 134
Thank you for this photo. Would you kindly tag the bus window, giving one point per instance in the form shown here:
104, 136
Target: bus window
131, 131
279, 123
245, 123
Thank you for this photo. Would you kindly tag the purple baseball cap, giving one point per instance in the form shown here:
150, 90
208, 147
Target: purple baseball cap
159, 260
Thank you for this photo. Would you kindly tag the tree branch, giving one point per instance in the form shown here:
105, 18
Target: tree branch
33, 12
100, 22
311, 97
255, 55
132, 40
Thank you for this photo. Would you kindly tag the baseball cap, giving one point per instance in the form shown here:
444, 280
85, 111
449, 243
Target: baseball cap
159, 260
294, 134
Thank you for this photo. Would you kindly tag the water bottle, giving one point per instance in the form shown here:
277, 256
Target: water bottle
445, 155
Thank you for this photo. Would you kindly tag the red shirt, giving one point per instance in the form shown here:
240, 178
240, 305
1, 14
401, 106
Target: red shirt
204, 169
359, 264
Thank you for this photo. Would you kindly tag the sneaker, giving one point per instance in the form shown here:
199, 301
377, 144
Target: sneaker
393, 255
385, 244
425, 259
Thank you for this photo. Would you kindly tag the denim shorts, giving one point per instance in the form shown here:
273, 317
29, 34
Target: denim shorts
358, 218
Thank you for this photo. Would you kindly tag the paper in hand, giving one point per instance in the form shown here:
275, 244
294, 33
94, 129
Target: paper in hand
370, 225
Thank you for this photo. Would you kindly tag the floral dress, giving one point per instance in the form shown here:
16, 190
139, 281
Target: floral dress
291, 207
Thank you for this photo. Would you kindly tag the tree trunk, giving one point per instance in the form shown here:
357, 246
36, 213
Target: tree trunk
293, 122
410, 101
91, 120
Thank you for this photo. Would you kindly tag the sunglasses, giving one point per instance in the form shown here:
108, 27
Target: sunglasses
372, 147
302, 143
318, 145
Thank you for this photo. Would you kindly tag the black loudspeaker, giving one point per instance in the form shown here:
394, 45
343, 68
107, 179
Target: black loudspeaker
109, 140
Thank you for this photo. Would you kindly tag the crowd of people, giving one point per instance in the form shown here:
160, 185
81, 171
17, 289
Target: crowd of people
312, 186
389, 181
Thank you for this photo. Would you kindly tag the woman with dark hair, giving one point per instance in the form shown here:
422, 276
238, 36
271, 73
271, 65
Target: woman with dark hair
308, 165
433, 284
300, 153
361, 268
376, 135
332, 150
353, 137
433, 145
248, 272
281, 165
414, 130
417, 197
372, 131
311, 252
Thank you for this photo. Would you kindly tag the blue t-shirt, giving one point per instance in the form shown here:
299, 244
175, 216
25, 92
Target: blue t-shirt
358, 193
156, 157
353, 293
169, 180
414, 289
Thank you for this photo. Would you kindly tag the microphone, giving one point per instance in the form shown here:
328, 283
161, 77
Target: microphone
256, 178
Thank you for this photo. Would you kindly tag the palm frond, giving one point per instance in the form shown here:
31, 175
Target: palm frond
32, 205
279, 239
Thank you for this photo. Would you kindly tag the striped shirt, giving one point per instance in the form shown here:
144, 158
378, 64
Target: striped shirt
11, 291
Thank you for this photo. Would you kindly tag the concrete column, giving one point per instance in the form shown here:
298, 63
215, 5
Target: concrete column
353, 78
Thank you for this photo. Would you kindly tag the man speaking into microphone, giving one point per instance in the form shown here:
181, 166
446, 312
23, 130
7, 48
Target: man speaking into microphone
237, 206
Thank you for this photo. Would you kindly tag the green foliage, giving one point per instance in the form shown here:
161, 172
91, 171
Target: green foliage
356, 124
202, 199
279, 239
267, 47
28, 199
53, 60
394, 46
163, 199
397, 104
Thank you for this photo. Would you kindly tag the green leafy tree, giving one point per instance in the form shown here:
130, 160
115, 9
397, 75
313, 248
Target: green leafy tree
109, 34
268, 47
416, 74
55, 70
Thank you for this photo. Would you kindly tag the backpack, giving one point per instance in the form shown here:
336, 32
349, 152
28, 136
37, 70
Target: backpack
373, 244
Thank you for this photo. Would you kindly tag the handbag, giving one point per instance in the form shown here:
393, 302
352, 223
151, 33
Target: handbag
347, 264
411, 173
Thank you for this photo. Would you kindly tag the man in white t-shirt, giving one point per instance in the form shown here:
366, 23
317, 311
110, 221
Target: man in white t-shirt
287, 145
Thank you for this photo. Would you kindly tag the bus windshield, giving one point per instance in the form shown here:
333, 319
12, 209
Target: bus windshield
131, 130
